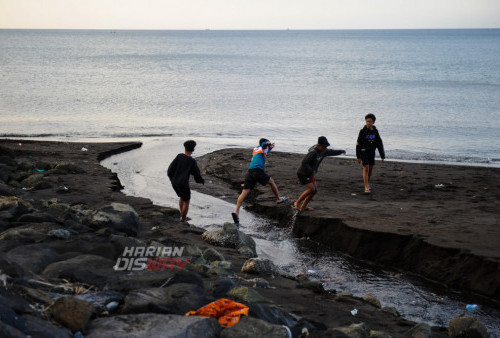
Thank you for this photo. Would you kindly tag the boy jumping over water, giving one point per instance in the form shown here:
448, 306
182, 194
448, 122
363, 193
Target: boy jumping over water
368, 141
179, 171
256, 174
309, 167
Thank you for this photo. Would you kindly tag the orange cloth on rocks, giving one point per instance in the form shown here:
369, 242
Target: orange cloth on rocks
226, 311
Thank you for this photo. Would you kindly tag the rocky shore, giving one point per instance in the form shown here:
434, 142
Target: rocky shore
79, 258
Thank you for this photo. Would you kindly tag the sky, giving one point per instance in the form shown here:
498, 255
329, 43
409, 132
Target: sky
249, 14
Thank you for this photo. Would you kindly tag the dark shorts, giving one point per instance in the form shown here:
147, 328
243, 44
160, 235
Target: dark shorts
367, 158
254, 176
183, 192
306, 179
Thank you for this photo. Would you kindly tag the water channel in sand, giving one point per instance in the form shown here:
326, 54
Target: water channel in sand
143, 173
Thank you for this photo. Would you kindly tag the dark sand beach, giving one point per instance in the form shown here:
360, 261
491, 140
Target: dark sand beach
439, 221
58, 283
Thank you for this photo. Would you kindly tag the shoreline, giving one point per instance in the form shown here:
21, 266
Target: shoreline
437, 222
73, 188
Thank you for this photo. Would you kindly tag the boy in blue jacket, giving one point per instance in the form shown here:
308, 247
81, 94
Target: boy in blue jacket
256, 174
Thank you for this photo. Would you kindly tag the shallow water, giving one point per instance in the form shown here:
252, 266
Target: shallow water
143, 173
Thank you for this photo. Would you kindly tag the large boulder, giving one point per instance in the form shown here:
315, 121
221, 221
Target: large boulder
11, 207
249, 327
89, 269
178, 298
153, 325
229, 237
71, 312
44, 329
118, 216
466, 326
32, 257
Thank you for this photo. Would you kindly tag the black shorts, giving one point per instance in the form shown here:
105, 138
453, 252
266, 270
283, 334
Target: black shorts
254, 176
303, 179
183, 192
367, 158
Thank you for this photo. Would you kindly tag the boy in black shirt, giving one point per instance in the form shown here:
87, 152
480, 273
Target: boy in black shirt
179, 171
368, 141
309, 167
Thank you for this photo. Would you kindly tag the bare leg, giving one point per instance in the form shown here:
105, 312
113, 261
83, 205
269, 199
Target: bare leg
366, 177
370, 169
310, 196
184, 209
240, 200
275, 190
303, 196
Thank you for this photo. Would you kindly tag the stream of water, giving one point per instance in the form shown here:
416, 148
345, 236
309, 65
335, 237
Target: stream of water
143, 173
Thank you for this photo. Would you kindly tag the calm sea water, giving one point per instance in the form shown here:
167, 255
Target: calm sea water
436, 93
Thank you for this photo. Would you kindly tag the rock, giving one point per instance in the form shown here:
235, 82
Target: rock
33, 257
8, 190
221, 287
11, 207
71, 312
101, 299
175, 299
315, 286
353, 330
420, 330
35, 295
259, 266
44, 329
38, 217
118, 216
392, 310
273, 315
59, 234
466, 326
372, 300
212, 255
247, 295
153, 325
8, 161
42, 185
249, 327
122, 242
9, 317
229, 237
42, 165
32, 180
378, 334
89, 269
69, 168
247, 252
5, 174
13, 300
4, 151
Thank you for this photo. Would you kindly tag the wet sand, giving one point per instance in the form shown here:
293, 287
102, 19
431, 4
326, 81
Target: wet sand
438, 221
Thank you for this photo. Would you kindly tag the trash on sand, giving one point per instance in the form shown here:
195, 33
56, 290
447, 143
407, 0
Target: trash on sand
40, 170
354, 312
111, 306
84, 149
472, 307
439, 186
311, 271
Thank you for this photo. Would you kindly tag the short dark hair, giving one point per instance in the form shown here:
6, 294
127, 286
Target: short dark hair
262, 140
189, 145
370, 116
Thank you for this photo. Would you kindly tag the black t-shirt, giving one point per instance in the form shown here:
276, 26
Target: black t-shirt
180, 169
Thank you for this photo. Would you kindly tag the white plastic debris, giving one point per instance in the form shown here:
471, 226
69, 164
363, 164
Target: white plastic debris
354, 312
84, 149
439, 186
111, 306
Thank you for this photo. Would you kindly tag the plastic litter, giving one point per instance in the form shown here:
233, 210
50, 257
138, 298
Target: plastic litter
472, 307
40, 170
311, 271
439, 186
225, 310
354, 312
84, 149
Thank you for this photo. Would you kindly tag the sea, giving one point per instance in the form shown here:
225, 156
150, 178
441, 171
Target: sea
435, 93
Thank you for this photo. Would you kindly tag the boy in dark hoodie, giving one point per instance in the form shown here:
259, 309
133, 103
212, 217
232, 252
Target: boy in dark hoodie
309, 167
179, 171
368, 141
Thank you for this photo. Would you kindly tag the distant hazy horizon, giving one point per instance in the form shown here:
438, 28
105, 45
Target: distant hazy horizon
250, 15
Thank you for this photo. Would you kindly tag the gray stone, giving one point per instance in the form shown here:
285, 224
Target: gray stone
249, 327
33, 257
11, 207
247, 252
353, 330
247, 295
59, 233
9, 317
117, 216
38, 217
44, 329
229, 237
69, 168
212, 255
372, 300
378, 334
392, 310
175, 299
122, 242
153, 325
466, 326
420, 330
32, 180
259, 266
